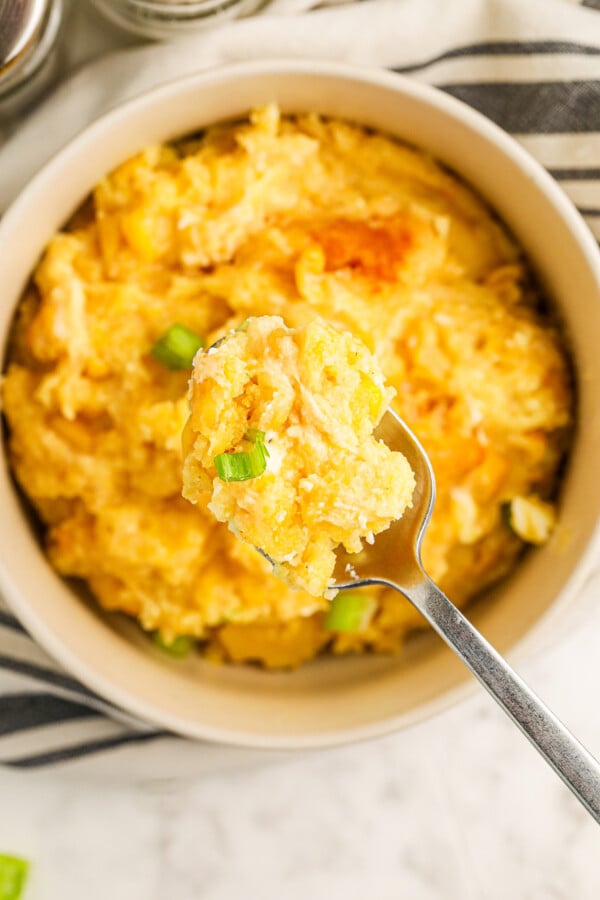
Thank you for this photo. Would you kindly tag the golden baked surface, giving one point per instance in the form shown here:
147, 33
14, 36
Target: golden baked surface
301, 406
299, 218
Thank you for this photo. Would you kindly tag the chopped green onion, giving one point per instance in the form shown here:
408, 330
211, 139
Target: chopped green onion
13, 875
253, 435
530, 518
349, 611
243, 465
257, 437
244, 324
177, 347
179, 647
506, 515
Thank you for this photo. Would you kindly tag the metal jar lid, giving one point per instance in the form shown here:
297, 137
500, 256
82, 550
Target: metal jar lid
22, 26
172, 19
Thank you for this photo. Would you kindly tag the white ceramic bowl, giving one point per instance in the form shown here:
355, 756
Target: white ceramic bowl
331, 700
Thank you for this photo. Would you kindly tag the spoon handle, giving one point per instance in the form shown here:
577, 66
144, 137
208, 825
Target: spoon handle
577, 768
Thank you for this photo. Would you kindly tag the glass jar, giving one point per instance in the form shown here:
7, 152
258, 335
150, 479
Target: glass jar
28, 33
168, 19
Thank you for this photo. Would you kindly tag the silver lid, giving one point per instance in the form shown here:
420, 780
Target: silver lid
21, 22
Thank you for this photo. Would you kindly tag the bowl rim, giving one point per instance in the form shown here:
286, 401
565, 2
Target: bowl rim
473, 120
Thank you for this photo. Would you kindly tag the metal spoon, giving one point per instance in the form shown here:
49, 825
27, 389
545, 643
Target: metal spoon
394, 560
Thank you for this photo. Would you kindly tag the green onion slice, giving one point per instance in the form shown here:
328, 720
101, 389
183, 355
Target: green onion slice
177, 347
179, 647
253, 435
243, 324
13, 875
349, 611
530, 518
243, 465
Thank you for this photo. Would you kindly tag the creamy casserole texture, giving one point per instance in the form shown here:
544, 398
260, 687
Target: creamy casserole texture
280, 441
302, 218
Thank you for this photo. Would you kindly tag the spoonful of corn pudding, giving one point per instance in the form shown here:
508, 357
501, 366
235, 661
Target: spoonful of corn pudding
280, 434
289, 433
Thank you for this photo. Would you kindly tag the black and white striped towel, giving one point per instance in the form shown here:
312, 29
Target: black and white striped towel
533, 67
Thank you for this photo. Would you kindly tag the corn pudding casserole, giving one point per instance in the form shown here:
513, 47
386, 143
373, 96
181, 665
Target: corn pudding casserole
304, 218
280, 436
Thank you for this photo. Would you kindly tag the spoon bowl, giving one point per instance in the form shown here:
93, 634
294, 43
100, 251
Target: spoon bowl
391, 559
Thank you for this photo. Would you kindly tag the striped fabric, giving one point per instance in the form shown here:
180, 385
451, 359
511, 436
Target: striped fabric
45, 715
556, 120
534, 68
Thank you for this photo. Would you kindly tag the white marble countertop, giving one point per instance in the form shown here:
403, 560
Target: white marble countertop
460, 807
